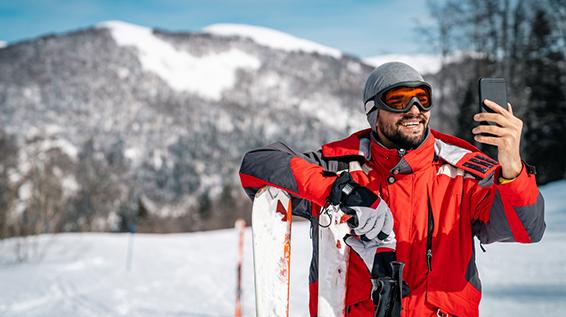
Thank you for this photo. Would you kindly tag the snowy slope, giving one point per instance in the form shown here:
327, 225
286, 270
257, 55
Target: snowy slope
272, 38
426, 64
206, 76
194, 274
3, 44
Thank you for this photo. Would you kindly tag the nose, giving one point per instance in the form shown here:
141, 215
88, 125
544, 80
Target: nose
414, 109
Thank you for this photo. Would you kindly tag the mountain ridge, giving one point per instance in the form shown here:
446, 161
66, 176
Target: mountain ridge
99, 118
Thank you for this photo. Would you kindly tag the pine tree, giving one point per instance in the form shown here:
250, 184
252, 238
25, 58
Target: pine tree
545, 119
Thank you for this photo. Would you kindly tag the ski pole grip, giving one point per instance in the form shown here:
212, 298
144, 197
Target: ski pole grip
397, 270
397, 275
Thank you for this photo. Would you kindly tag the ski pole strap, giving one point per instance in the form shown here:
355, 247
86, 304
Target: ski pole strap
326, 215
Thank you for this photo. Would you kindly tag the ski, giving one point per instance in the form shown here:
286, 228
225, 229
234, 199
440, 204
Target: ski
271, 231
333, 256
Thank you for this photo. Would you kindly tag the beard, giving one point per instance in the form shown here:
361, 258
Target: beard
403, 140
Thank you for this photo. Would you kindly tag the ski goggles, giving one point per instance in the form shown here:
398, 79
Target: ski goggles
402, 98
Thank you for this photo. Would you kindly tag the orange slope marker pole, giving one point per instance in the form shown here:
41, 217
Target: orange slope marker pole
240, 227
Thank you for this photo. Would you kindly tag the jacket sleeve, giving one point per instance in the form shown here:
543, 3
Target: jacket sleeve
277, 165
511, 212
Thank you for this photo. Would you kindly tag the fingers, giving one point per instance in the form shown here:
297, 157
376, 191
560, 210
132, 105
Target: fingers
348, 211
491, 129
492, 117
503, 117
496, 107
370, 223
507, 133
372, 227
388, 224
488, 140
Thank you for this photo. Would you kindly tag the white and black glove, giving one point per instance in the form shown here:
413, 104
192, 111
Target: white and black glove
373, 240
370, 223
371, 220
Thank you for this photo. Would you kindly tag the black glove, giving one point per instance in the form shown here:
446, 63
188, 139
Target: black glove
370, 216
347, 193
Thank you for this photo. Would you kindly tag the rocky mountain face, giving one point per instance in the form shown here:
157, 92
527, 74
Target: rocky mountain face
116, 125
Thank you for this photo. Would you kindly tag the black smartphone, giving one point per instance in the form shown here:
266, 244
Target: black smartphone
493, 89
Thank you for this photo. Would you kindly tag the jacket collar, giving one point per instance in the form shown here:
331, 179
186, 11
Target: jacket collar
363, 145
401, 161
447, 148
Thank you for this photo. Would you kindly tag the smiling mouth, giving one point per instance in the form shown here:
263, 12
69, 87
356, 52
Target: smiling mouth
411, 124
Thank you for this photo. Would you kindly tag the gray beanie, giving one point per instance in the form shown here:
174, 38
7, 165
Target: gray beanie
385, 77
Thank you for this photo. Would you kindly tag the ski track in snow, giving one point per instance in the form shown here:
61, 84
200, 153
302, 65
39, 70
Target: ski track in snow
195, 274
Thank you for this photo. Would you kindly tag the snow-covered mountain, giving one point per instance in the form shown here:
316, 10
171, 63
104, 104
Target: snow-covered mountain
158, 121
195, 274
425, 63
272, 38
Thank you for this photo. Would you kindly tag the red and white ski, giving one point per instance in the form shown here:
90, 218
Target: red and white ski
333, 256
271, 228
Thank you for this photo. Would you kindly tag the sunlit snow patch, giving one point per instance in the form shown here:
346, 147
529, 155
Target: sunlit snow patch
206, 76
272, 38
426, 64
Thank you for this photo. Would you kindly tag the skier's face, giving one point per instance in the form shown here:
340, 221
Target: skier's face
403, 130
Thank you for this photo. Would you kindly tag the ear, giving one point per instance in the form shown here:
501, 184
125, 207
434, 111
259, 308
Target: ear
372, 119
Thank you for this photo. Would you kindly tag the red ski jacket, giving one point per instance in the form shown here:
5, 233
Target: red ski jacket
441, 194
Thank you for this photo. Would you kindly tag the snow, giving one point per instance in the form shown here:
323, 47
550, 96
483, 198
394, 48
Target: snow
207, 76
195, 274
272, 38
134, 154
3, 44
70, 185
331, 113
49, 137
425, 64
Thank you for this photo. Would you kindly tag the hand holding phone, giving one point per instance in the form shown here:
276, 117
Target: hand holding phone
499, 127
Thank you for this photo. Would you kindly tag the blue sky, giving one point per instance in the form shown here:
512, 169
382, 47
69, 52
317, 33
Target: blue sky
362, 27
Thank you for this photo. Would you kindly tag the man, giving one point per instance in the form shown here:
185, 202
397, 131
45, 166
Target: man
441, 191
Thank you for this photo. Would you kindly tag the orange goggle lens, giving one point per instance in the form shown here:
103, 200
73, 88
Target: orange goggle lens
399, 98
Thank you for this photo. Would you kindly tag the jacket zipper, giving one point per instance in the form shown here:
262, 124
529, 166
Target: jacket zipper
430, 227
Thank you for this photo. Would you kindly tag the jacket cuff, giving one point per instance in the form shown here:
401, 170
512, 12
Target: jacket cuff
502, 180
522, 190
